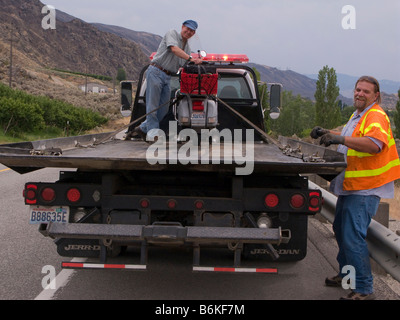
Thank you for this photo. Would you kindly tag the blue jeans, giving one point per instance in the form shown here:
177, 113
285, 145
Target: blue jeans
352, 219
157, 93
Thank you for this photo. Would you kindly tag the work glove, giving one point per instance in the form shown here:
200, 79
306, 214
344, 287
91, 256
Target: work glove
329, 138
318, 132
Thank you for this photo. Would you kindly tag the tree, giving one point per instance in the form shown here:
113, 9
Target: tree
121, 74
397, 118
327, 109
296, 116
346, 113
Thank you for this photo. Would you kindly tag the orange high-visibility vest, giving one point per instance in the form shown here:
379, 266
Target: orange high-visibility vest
367, 171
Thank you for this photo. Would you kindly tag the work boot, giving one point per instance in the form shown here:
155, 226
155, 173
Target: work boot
139, 132
130, 135
335, 281
359, 296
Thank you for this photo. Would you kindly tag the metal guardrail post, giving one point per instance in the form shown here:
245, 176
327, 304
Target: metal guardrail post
383, 244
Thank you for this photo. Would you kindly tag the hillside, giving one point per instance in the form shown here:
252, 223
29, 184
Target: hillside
291, 81
32, 78
73, 45
149, 42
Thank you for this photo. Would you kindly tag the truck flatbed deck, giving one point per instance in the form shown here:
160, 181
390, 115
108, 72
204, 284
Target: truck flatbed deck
89, 152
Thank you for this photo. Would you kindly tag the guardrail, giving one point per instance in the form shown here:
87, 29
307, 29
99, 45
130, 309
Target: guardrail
383, 244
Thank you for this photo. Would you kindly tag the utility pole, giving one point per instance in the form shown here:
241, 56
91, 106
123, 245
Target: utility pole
86, 75
11, 57
86, 83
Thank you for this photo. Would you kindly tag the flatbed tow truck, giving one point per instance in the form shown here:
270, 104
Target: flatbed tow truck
213, 179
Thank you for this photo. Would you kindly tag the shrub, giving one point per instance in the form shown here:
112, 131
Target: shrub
16, 115
21, 112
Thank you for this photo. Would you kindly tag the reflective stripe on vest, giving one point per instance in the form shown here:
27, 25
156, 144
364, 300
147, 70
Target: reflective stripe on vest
373, 172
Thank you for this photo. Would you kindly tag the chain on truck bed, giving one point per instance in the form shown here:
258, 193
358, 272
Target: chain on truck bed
286, 149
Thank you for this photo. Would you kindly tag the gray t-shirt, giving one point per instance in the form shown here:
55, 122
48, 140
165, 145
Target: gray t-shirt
164, 56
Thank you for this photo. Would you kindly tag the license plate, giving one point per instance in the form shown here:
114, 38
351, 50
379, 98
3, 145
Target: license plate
40, 214
198, 115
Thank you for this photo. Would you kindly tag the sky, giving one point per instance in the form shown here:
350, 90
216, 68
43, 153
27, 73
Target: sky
355, 37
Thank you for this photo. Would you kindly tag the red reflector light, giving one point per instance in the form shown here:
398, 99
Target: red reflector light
73, 195
144, 203
198, 105
171, 204
199, 204
48, 194
271, 200
297, 201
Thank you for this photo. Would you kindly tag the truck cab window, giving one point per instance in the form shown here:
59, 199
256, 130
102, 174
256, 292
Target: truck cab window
233, 88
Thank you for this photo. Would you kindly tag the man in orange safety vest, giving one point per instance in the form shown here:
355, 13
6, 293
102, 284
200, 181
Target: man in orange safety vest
372, 167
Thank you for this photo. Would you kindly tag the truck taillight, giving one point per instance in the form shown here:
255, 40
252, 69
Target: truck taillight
171, 204
144, 203
30, 194
198, 105
271, 200
73, 195
48, 194
297, 201
198, 204
314, 201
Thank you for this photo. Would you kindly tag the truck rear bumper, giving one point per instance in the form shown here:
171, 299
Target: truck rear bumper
166, 233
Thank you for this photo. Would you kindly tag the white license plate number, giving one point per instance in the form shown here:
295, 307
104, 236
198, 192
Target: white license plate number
38, 214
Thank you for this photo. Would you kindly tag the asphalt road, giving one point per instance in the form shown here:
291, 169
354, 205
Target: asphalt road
26, 256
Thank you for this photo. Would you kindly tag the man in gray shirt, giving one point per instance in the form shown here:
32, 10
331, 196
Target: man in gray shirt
173, 52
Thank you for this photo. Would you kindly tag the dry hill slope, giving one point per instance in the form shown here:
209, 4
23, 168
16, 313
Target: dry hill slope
74, 45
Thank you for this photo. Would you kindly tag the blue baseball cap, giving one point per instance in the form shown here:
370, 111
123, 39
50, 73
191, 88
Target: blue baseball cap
191, 24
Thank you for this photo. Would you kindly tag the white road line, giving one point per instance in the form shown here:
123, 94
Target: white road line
61, 281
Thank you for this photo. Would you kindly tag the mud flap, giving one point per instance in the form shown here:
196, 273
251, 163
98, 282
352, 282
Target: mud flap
294, 250
80, 248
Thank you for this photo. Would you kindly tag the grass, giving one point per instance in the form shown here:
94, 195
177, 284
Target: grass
48, 133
